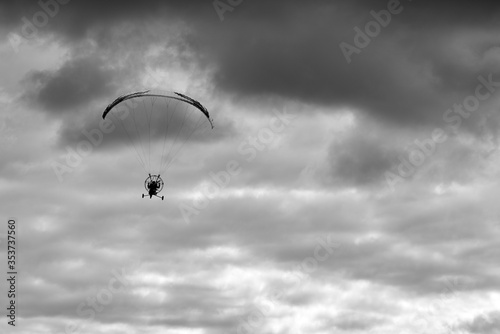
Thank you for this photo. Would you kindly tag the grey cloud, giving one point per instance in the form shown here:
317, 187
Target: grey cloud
292, 49
360, 160
484, 324
76, 83
353, 321
97, 216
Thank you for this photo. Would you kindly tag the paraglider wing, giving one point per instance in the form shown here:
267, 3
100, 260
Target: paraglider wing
158, 124
121, 99
197, 105
183, 98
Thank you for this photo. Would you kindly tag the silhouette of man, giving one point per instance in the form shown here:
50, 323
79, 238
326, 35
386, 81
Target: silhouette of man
153, 186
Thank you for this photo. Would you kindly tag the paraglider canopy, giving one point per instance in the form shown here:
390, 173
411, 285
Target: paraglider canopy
158, 125
146, 93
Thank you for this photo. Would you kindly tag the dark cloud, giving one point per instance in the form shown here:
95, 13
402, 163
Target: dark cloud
399, 77
352, 321
360, 160
407, 74
394, 249
77, 82
484, 324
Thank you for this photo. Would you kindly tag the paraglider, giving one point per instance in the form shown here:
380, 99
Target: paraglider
153, 185
157, 125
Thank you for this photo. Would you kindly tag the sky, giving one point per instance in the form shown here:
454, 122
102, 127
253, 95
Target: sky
349, 184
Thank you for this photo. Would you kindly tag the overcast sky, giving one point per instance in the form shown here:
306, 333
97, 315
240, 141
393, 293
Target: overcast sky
350, 184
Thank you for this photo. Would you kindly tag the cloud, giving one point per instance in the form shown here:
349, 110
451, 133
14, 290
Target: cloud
360, 159
484, 324
397, 251
405, 75
76, 83
355, 322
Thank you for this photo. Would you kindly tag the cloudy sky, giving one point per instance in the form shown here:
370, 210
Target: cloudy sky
349, 185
